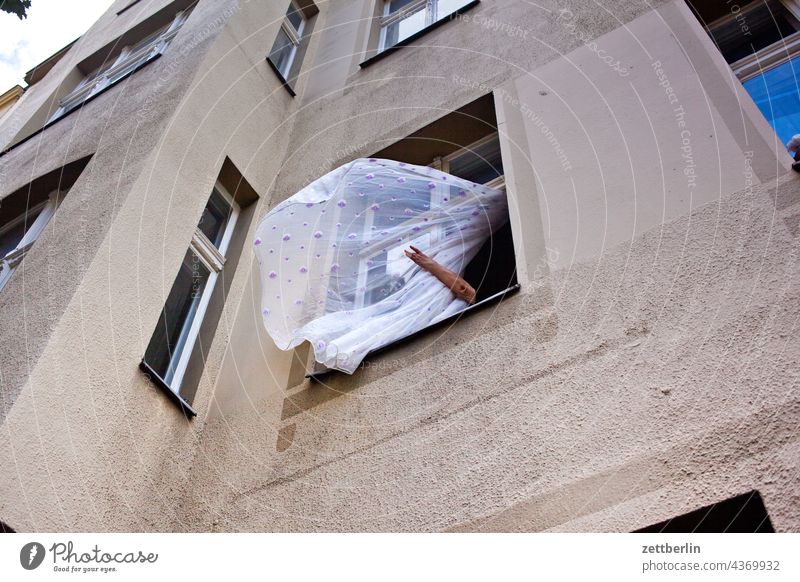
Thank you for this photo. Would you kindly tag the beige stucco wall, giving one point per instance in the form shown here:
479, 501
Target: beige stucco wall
646, 367
73, 416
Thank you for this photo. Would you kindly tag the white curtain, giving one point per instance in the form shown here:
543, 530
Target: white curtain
331, 257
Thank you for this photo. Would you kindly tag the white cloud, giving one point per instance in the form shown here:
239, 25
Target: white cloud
51, 25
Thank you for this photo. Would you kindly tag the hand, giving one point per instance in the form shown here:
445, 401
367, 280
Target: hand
455, 283
421, 259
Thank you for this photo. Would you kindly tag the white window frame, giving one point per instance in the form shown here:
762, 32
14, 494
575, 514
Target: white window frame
436, 231
431, 8
295, 36
768, 57
46, 210
131, 57
213, 259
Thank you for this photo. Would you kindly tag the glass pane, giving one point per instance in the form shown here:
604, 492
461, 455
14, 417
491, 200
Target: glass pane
777, 94
169, 339
402, 29
10, 238
395, 5
480, 164
215, 218
295, 16
767, 23
445, 8
282, 53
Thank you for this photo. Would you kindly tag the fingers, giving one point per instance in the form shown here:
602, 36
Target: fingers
416, 250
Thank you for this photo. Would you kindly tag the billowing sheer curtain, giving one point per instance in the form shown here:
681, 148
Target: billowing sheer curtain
332, 266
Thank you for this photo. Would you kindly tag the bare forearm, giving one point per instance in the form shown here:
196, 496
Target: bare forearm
453, 282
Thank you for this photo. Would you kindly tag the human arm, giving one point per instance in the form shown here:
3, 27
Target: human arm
451, 280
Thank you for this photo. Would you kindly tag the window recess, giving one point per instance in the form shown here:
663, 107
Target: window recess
286, 55
760, 40
129, 60
333, 267
402, 21
26, 213
18, 234
167, 356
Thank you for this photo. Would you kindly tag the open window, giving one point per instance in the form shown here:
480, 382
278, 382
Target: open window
761, 41
25, 214
130, 58
107, 67
332, 257
175, 355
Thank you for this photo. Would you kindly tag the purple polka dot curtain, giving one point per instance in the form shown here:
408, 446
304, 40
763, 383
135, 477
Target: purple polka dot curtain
332, 266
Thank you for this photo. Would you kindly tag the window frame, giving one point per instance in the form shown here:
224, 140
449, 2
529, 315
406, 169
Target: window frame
437, 196
769, 57
214, 259
383, 19
296, 38
45, 211
130, 59
443, 164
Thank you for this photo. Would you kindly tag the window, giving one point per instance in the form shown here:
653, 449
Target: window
285, 48
167, 355
290, 45
402, 19
741, 514
26, 213
129, 59
480, 163
761, 41
333, 268
18, 234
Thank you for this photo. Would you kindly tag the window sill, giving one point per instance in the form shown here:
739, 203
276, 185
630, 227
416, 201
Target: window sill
387, 51
283, 81
496, 298
131, 5
159, 381
79, 107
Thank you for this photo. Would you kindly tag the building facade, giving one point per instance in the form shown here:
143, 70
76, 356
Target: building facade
646, 366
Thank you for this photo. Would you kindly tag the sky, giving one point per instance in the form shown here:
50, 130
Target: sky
51, 25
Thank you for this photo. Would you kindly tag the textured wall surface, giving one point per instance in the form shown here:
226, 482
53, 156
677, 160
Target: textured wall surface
660, 377
646, 368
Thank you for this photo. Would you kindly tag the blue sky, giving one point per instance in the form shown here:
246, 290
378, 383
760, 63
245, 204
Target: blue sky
51, 24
